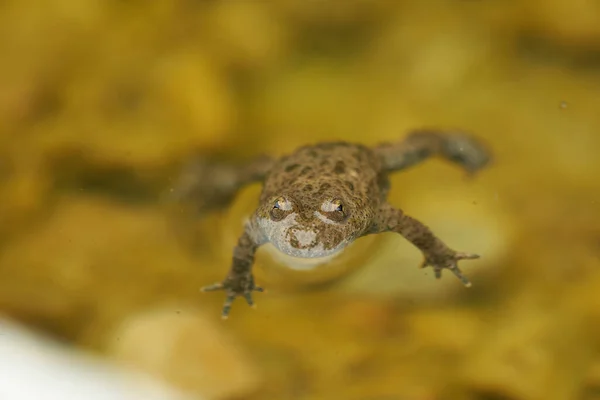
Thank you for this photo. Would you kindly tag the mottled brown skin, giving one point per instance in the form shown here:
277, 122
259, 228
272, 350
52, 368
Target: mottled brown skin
322, 197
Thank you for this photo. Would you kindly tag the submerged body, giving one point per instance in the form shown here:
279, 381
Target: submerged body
322, 197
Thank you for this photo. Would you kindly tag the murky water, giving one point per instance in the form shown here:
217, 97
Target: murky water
102, 103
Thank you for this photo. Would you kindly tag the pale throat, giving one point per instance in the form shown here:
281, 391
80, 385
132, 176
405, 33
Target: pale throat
280, 248
299, 263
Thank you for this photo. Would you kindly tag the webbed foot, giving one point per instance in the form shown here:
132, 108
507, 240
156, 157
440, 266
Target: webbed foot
467, 151
448, 260
241, 286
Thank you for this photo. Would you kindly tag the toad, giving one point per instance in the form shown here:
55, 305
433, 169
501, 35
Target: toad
322, 197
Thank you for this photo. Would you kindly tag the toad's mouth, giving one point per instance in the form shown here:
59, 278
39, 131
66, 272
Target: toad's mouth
300, 260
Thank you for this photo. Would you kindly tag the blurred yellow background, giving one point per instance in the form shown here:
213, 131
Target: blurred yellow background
102, 102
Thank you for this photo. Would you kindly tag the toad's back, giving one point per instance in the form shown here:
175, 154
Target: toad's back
351, 169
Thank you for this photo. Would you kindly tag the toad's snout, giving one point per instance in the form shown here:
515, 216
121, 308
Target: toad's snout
302, 239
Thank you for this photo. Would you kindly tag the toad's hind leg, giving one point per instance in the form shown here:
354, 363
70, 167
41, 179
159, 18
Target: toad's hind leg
457, 147
211, 186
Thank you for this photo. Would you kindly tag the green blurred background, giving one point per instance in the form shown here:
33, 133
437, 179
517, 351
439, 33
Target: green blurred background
103, 102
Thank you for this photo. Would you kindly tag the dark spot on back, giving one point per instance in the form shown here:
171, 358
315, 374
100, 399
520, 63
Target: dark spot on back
312, 153
291, 167
305, 170
325, 186
308, 188
350, 186
340, 167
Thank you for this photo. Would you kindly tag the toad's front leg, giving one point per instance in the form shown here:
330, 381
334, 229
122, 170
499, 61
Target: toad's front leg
436, 253
239, 281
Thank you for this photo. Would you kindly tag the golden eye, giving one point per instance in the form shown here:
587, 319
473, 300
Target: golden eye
278, 212
279, 203
336, 211
337, 205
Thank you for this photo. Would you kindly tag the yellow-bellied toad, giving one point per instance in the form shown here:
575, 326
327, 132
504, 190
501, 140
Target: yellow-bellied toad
322, 197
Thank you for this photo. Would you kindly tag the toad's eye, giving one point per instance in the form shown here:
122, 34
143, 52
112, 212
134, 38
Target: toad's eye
335, 211
338, 206
282, 204
333, 206
280, 209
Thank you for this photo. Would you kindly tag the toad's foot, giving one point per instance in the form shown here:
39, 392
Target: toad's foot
448, 261
240, 286
460, 148
466, 151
